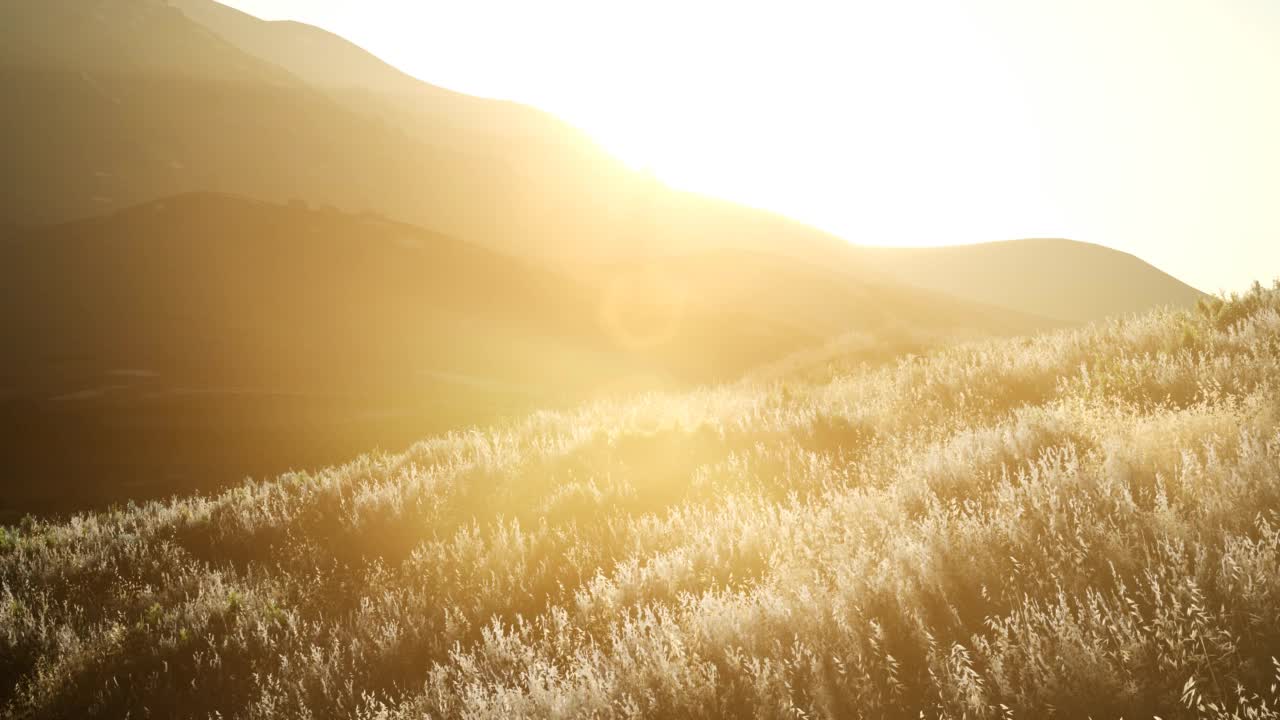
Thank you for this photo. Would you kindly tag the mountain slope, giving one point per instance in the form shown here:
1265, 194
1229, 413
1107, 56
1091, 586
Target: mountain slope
1048, 278
192, 341
129, 101
299, 337
1063, 279
278, 288
335, 65
189, 110
286, 293
133, 100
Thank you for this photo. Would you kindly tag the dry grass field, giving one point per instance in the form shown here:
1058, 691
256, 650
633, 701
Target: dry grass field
1082, 523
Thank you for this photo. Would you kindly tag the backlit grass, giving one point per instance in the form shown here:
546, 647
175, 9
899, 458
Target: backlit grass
1078, 524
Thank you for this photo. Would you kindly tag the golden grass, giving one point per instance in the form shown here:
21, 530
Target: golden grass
1078, 524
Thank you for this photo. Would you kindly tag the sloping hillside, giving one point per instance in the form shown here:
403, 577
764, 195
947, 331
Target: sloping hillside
336, 66
301, 337
287, 293
224, 291
134, 100
1082, 524
192, 341
1063, 279
1060, 279
130, 101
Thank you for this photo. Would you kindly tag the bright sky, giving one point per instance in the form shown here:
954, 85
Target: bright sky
1152, 126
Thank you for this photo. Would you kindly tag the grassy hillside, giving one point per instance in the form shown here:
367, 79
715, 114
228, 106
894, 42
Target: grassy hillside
1063, 279
192, 341
1083, 523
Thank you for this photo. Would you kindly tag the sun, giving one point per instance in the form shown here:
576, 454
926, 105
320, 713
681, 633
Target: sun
908, 123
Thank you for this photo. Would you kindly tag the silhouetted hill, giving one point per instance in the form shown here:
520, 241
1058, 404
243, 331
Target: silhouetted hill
124, 102
134, 101
190, 341
227, 291
113, 104
195, 340
1063, 279
1059, 279
339, 67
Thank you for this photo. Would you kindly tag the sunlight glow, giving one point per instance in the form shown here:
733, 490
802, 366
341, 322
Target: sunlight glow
1145, 125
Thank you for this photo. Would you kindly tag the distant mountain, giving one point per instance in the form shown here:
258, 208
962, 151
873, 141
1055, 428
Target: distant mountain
219, 291
780, 305
1062, 279
127, 101
337, 66
134, 100
1050, 278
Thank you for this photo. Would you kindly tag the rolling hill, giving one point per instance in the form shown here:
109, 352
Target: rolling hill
356, 77
1063, 279
191, 341
297, 337
537, 436
137, 101
142, 99
1073, 282
182, 335
134, 102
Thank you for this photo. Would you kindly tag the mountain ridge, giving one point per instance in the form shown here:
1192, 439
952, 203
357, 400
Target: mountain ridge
533, 187
1067, 279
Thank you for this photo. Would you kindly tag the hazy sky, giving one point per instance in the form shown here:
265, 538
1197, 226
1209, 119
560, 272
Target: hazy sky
1152, 126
